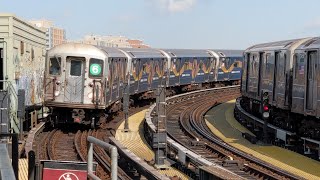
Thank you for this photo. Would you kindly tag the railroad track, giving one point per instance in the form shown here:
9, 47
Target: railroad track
67, 144
185, 124
61, 146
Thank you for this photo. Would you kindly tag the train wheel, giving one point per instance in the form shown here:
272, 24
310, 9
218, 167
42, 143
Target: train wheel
51, 121
54, 121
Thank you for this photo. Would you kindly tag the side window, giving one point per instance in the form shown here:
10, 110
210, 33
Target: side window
266, 69
235, 63
222, 62
299, 65
284, 64
296, 65
55, 66
95, 68
312, 59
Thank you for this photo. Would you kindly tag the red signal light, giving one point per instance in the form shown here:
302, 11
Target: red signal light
265, 108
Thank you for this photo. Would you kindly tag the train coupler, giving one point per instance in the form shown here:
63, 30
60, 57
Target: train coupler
78, 115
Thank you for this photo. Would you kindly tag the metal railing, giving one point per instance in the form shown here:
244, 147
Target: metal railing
114, 157
12, 110
14, 153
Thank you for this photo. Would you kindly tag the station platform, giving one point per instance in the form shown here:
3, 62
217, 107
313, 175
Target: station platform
6, 170
221, 122
23, 169
5, 161
134, 140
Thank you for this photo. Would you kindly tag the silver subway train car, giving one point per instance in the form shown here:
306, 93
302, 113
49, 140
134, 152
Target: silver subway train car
289, 71
83, 81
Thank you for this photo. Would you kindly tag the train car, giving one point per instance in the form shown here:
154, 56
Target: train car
189, 66
116, 74
306, 79
83, 81
267, 68
230, 65
288, 71
74, 83
146, 66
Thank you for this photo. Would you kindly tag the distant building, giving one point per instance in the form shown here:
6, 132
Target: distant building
54, 35
112, 41
22, 61
134, 43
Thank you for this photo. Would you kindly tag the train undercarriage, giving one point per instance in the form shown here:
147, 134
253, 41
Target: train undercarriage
95, 117
306, 129
88, 117
304, 126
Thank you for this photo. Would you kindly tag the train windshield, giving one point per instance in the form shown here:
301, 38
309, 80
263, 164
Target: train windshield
95, 68
55, 66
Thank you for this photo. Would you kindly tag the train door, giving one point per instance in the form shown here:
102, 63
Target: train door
74, 79
111, 79
275, 72
1, 68
179, 65
108, 67
311, 62
286, 80
214, 69
248, 71
261, 62
118, 71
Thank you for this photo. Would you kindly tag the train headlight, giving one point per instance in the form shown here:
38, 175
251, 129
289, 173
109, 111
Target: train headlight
56, 93
90, 95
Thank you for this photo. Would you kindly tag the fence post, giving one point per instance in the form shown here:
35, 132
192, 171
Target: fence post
114, 157
31, 165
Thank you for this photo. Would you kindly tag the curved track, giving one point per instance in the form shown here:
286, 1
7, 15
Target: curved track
67, 144
185, 124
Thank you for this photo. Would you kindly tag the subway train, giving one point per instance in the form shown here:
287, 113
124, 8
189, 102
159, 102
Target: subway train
289, 72
83, 82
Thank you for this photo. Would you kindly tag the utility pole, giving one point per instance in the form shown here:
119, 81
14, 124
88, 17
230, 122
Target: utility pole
160, 137
125, 103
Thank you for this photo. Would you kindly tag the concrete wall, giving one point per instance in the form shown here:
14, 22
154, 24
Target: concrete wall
24, 56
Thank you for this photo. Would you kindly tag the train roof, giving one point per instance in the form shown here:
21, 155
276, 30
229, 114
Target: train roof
187, 52
76, 49
112, 52
143, 53
286, 44
229, 52
313, 43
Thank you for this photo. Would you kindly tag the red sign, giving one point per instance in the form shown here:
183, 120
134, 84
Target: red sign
64, 170
63, 174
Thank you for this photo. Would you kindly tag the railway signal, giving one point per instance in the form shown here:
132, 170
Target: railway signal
265, 104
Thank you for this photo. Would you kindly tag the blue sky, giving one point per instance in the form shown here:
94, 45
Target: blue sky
232, 24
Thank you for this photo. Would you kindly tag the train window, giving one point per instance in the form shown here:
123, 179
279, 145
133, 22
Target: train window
267, 66
284, 64
299, 65
222, 62
312, 58
235, 62
55, 66
95, 68
295, 60
75, 68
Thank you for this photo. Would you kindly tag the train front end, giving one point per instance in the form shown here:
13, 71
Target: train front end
74, 84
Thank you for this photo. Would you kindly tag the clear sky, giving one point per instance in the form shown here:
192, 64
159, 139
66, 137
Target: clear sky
232, 24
